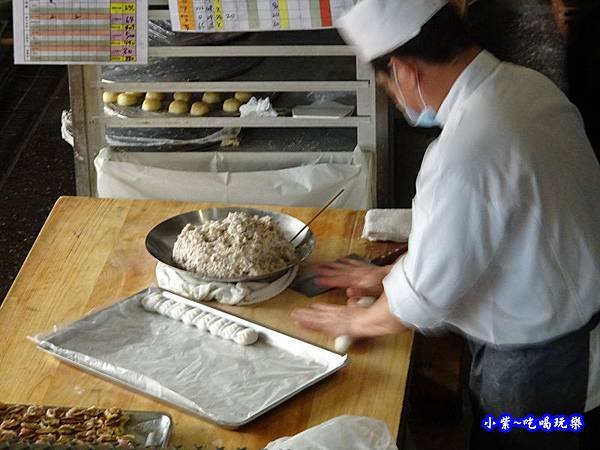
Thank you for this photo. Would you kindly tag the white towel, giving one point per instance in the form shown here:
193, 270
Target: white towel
387, 225
247, 293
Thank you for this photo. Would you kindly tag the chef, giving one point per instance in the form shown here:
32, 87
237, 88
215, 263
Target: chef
505, 243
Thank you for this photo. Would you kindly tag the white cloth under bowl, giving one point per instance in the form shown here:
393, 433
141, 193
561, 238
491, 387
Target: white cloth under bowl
243, 293
387, 225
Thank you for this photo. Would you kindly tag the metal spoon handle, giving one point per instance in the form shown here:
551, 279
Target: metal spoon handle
317, 215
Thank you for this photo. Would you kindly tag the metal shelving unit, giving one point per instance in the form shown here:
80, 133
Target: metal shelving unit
370, 121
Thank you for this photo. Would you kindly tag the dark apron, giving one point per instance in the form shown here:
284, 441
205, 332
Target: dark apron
548, 378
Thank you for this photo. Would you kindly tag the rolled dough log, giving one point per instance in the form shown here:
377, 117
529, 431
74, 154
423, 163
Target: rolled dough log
178, 310
211, 98
199, 109
231, 105
343, 343
151, 302
155, 96
151, 104
243, 97
165, 306
127, 99
190, 315
178, 107
183, 96
204, 321
110, 97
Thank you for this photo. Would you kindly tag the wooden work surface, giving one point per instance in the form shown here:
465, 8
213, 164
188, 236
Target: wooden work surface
91, 253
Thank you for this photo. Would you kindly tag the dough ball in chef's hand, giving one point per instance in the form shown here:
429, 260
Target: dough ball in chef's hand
199, 109
178, 107
127, 99
110, 97
155, 96
183, 96
211, 98
231, 105
151, 104
243, 97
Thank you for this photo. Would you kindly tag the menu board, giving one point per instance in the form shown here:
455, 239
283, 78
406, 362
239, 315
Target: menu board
81, 31
255, 15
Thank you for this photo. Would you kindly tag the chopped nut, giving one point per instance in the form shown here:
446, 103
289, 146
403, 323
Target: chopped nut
92, 411
35, 411
64, 439
48, 421
10, 424
45, 438
45, 430
52, 413
74, 426
16, 409
30, 425
66, 429
112, 422
105, 438
74, 412
126, 440
7, 435
112, 412
26, 433
89, 424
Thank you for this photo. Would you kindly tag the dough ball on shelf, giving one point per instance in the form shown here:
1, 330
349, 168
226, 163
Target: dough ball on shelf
211, 98
127, 99
199, 109
137, 94
178, 107
155, 96
243, 97
110, 97
183, 96
231, 105
151, 104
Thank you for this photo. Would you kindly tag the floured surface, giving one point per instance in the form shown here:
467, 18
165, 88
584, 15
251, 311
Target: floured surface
221, 380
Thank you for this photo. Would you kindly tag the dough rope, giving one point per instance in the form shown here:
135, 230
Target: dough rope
204, 321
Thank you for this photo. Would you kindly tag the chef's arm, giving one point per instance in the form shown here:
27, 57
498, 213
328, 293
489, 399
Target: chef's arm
352, 320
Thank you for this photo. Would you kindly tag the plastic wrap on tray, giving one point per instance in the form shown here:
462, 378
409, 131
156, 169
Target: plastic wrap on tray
163, 139
217, 379
180, 70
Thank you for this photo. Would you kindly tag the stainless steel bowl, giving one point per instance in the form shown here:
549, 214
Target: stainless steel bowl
161, 239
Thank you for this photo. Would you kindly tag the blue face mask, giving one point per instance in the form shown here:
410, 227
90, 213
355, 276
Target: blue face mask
426, 118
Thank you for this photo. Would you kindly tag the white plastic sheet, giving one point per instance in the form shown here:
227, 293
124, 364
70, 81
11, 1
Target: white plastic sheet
293, 179
340, 433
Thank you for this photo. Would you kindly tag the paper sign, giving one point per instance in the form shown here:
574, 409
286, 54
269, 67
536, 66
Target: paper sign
81, 31
255, 15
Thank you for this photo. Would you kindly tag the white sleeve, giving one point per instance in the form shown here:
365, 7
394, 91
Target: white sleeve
455, 235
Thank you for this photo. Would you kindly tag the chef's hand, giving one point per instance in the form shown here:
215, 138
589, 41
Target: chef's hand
351, 320
359, 278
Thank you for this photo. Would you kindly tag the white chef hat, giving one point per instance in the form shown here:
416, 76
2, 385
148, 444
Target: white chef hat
376, 27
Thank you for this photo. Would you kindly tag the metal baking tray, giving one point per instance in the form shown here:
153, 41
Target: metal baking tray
217, 380
150, 428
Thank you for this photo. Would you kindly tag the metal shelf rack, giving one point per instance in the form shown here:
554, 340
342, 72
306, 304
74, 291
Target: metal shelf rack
370, 122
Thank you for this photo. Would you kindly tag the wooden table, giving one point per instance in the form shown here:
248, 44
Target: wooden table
91, 253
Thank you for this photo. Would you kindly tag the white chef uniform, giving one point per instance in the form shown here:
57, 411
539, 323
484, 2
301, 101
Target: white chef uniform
505, 241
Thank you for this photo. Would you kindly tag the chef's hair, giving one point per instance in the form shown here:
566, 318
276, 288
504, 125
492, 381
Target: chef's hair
440, 40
